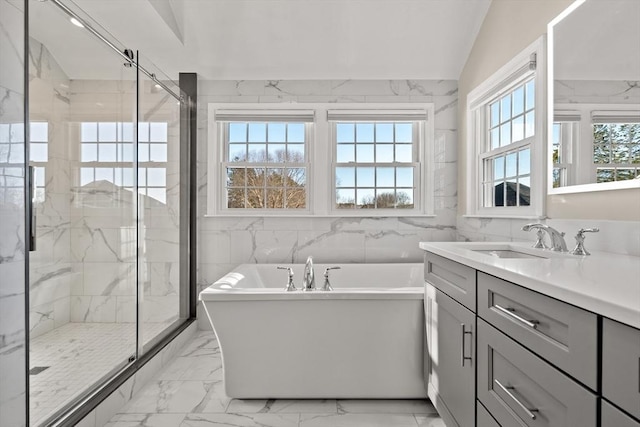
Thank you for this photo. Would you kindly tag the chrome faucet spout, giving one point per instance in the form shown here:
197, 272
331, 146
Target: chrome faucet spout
308, 277
557, 238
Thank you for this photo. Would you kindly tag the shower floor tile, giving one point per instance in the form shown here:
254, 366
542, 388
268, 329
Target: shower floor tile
76, 356
189, 392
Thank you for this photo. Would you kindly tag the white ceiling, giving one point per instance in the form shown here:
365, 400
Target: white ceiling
273, 39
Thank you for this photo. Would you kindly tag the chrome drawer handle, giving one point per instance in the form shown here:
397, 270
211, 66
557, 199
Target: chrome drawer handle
511, 313
530, 412
462, 356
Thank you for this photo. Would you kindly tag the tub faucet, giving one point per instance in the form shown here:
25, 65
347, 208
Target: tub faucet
557, 238
308, 277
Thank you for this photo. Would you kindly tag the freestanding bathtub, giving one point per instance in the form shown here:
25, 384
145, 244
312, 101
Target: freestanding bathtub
364, 339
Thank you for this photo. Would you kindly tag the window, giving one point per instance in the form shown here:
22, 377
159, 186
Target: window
505, 139
265, 164
12, 162
376, 163
12, 157
320, 160
107, 147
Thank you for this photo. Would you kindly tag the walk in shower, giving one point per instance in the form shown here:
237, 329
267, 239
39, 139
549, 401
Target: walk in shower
107, 271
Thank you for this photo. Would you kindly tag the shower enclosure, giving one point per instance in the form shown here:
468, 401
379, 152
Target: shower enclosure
107, 273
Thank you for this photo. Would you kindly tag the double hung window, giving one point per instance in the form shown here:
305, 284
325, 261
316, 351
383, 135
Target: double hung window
505, 140
319, 160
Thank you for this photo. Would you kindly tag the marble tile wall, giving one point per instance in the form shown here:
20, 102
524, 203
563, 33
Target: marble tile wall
621, 237
103, 217
226, 242
12, 219
51, 275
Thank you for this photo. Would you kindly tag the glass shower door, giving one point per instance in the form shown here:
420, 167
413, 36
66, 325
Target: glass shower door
82, 287
160, 189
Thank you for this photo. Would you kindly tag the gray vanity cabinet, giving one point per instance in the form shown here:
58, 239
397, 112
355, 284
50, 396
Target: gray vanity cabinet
613, 417
451, 375
519, 388
454, 279
483, 418
621, 366
565, 335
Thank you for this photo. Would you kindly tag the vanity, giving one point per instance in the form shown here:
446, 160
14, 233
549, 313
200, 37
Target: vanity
518, 336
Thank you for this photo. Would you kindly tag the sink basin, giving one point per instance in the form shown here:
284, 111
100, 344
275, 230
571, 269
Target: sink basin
507, 253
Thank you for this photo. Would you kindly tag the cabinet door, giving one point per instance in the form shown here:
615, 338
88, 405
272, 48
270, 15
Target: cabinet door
484, 418
521, 389
450, 330
613, 417
621, 365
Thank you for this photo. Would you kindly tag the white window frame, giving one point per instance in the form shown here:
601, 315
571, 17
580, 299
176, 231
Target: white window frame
503, 81
320, 151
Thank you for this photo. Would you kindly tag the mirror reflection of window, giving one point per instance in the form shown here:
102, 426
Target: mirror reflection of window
616, 151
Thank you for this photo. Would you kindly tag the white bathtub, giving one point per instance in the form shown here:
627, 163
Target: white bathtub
364, 339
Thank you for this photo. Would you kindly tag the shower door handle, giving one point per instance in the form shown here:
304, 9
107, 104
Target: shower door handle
31, 182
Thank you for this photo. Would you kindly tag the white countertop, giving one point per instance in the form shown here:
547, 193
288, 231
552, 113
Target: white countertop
604, 283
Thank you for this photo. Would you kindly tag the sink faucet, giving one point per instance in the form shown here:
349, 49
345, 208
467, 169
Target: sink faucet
308, 277
557, 238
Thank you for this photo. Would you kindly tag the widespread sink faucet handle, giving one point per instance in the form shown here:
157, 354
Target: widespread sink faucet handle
539, 244
290, 286
580, 249
327, 285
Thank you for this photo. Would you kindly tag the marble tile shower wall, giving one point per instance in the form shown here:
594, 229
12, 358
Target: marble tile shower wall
12, 215
51, 273
103, 217
84, 268
227, 242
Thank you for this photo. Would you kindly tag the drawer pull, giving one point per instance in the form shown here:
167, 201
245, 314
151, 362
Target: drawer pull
530, 412
462, 356
511, 313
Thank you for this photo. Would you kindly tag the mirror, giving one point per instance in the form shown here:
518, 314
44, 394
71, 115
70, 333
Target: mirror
594, 100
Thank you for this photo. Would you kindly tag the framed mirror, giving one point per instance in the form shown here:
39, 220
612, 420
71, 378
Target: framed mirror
594, 97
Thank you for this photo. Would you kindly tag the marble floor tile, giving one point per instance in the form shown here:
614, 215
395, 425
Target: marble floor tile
358, 420
430, 421
379, 406
241, 420
189, 392
146, 420
204, 343
207, 367
179, 396
284, 406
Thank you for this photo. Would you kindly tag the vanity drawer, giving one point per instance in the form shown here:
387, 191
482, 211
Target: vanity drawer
621, 365
519, 388
454, 279
563, 334
483, 418
614, 417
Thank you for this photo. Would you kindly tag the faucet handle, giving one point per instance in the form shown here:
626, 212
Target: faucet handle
290, 286
326, 270
580, 249
539, 244
327, 285
588, 230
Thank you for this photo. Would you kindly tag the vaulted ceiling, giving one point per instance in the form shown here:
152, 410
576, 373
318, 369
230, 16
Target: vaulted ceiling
271, 39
